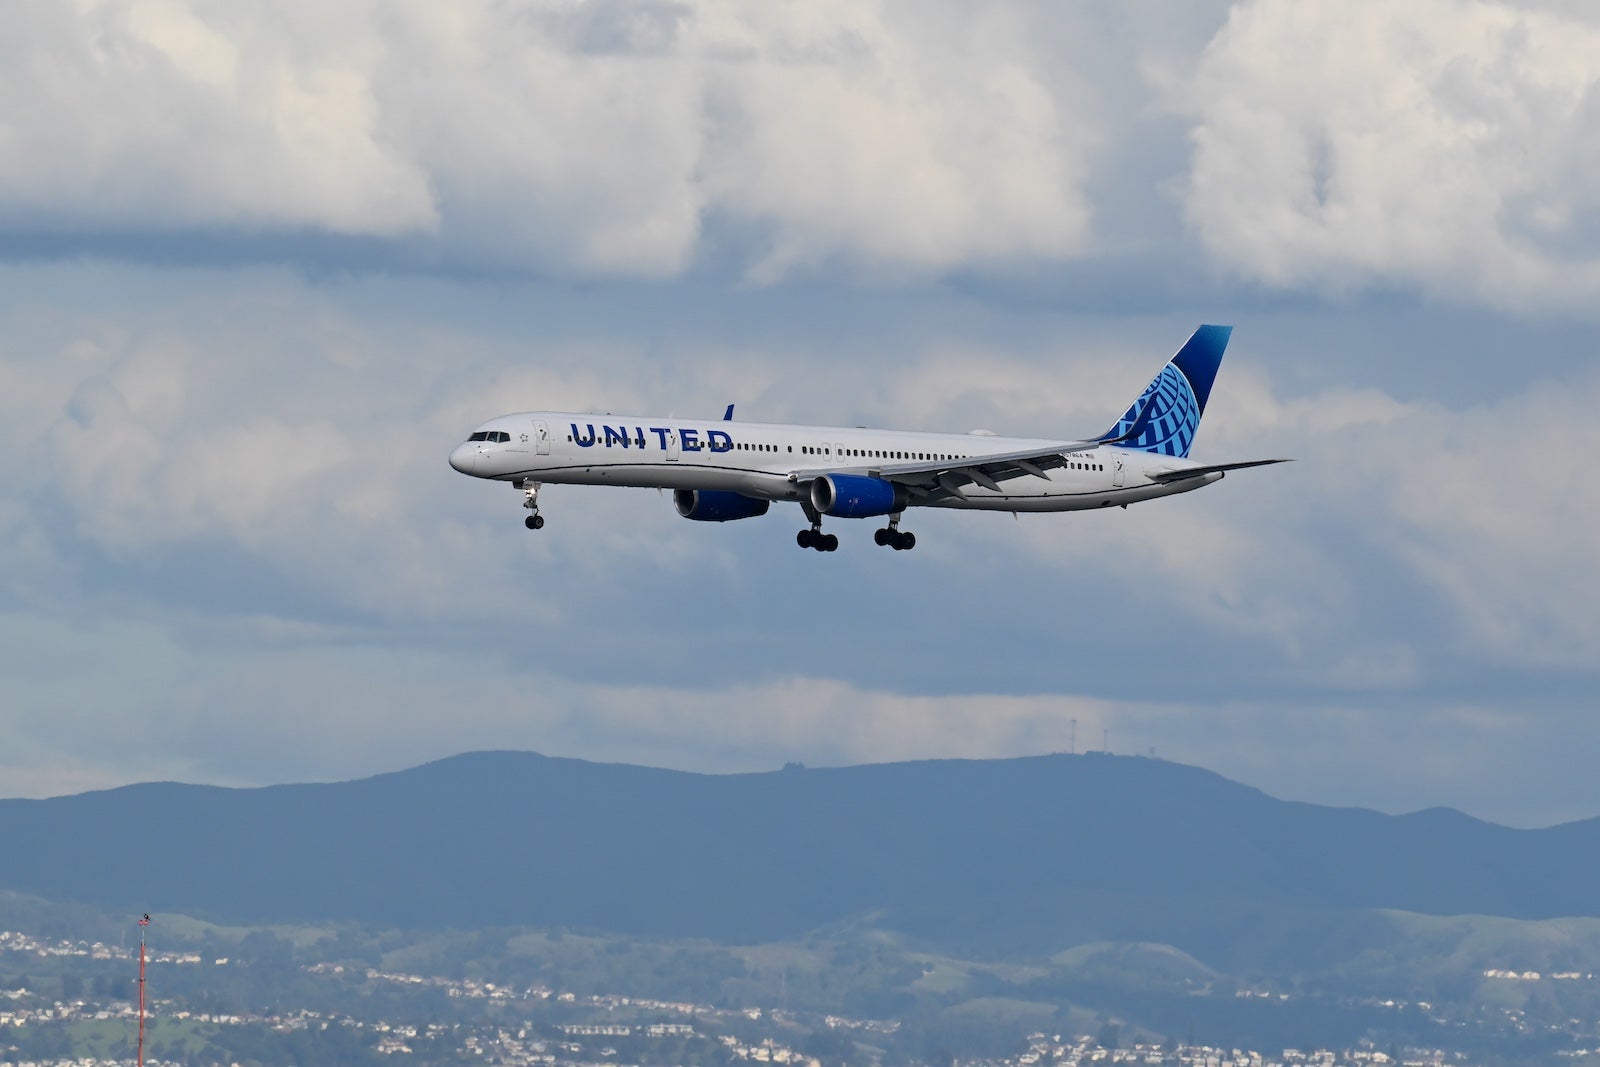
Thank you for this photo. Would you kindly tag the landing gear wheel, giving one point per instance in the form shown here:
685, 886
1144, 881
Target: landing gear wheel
829, 543
904, 541
534, 522
881, 537
805, 538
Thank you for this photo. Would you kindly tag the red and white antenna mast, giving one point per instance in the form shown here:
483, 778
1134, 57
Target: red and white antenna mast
144, 922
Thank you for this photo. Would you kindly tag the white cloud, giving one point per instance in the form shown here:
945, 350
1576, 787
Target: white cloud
1447, 145
592, 140
892, 135
151, 115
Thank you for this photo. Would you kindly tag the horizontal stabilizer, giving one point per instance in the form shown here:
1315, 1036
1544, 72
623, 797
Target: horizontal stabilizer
1214, 468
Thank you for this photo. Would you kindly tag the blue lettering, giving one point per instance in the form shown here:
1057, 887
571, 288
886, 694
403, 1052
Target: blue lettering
661, 432
691, 440
618, 436
719, 441
580, 439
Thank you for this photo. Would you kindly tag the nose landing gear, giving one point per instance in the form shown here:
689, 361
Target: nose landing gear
534, 521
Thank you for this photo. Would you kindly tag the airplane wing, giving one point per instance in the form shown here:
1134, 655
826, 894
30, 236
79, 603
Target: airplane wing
945, 478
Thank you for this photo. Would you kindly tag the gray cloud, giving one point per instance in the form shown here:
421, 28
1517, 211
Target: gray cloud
233, 505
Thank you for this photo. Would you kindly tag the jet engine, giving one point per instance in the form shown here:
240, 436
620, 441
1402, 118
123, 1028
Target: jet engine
851, 496
711, 505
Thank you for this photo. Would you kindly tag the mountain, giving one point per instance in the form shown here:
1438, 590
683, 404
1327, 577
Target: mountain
1026, 855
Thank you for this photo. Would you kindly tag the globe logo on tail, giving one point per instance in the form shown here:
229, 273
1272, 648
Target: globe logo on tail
1174, 416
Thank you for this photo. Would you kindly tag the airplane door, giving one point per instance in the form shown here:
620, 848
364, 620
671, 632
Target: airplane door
1118, 473
541, 437
672, 446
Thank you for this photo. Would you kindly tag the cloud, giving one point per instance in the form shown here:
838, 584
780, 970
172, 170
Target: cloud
254, 703
236, 553
598, 141
1498, 524
930, 142
237, 547
154, 115
1447, 146
272, 436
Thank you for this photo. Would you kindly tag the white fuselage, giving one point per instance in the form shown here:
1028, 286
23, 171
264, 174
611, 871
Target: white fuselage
775, 462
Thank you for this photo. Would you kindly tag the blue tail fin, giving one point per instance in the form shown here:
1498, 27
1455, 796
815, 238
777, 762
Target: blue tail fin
1167, 413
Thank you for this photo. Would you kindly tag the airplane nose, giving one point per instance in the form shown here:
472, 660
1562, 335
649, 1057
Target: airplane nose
464, 458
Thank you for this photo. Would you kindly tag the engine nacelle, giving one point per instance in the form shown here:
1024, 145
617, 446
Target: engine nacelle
851, 496
712, 505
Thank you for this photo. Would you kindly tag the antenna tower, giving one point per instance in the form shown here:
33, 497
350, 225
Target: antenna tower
144, 922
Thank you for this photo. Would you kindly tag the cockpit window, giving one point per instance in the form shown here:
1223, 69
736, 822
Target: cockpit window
495, 436
481, 435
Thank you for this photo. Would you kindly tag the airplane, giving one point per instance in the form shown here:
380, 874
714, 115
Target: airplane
721, 470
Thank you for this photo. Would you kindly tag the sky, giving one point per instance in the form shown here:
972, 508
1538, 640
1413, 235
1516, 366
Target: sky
262, 265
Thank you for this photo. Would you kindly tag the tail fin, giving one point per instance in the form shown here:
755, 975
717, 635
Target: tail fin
1167, 413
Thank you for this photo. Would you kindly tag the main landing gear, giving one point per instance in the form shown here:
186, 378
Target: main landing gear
815, 538
891, 536
894, 537
534, 521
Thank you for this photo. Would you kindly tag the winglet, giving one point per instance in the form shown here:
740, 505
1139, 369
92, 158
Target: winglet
1134, 430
